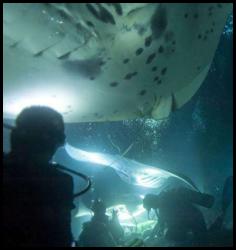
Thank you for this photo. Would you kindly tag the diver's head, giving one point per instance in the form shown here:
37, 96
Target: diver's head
39, 130
150, 201
98, 207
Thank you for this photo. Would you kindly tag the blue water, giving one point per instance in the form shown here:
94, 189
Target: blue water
196, 140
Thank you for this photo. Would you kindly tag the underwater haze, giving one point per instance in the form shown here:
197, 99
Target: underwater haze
195, 139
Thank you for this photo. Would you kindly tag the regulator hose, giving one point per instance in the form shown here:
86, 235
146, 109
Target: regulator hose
83, 176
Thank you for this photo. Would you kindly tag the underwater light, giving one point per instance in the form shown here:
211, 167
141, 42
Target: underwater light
140, 210
129, 221
124, 214
13, 105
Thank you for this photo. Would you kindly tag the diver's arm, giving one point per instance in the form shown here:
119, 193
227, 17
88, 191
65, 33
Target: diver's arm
107, 237
159, 228
111, 241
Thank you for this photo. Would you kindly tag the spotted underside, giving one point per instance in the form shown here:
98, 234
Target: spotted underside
108, 61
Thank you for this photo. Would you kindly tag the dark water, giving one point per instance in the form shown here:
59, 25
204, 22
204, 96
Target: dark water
196, 140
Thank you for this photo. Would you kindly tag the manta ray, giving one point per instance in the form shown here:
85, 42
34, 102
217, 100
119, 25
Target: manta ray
107, 61
130, 171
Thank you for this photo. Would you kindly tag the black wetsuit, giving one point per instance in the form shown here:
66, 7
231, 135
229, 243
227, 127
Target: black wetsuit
179, 216
97, 233
37, 204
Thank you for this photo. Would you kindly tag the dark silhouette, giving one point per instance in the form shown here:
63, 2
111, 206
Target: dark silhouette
100, 231
219, 234
179, 220
37, 197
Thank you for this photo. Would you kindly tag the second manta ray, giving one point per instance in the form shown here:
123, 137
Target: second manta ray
130, 171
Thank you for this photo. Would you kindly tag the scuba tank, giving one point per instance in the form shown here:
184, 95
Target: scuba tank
198, 198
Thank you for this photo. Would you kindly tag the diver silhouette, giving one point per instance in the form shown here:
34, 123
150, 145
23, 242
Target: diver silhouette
179, 220
37, 197
218, 233
100, 231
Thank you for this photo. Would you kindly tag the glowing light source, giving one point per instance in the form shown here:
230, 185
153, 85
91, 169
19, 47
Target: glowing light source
128, 220
140, 210
137, 219
15, 104
123, 213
